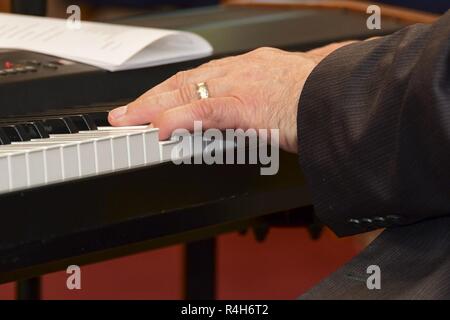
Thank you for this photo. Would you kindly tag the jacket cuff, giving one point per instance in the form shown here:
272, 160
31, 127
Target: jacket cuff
323, 144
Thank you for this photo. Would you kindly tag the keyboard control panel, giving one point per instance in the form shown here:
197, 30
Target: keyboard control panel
18, 65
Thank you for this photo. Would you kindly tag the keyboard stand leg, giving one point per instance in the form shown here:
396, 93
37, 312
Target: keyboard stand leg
200, 270
29, 289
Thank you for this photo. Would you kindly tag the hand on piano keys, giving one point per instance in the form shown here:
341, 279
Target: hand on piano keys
54, 150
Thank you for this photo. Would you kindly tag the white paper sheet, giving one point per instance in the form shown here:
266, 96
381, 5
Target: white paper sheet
108, 46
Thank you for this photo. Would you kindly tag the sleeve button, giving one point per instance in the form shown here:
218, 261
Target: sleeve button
355, 222
367, 221
393, 218
379, 221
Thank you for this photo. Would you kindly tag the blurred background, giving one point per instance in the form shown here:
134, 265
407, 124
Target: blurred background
284, 266
108, 9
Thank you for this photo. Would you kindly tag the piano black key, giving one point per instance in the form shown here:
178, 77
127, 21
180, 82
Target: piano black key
100, 118
39, 126
16, 133
34, 130
79, 122
23, 132
59, 126
83, 122
89, 121
4, 139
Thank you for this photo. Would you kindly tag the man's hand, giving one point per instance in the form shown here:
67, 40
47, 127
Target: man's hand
258, 90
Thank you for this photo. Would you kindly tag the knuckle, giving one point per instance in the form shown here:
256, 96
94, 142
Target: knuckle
263, 50
203, 110
180, 78
139, 100
133, 106
186, 94
238, 101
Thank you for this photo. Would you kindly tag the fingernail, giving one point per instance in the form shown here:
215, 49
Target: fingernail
118, 112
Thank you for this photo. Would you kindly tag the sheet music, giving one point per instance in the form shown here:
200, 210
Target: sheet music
109, 46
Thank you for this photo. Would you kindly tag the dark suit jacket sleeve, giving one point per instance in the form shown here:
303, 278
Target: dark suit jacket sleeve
374, 131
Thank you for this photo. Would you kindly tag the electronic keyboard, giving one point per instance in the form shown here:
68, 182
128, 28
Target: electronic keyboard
73, 190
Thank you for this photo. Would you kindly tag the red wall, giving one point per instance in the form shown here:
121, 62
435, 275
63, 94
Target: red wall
282, 267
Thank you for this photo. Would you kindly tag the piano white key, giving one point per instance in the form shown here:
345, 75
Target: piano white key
87, 158
18, 170
136, 152
4, 173
120, 152
167, 148
53, 164
151, 146
69, 156
103, 155
36, 167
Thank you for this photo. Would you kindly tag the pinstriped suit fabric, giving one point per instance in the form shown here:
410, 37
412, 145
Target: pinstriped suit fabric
374, 142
